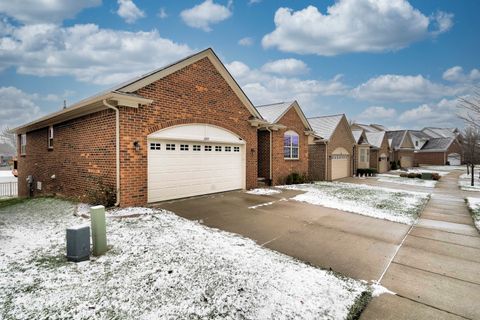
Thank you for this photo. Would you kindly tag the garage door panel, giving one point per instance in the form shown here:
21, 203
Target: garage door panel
179, 173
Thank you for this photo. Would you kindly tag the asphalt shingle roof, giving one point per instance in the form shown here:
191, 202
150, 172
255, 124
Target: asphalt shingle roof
396, 137
375, 138
367, 128
272, 112
357, 134
440, 132
419, 134
326, 125
437, 144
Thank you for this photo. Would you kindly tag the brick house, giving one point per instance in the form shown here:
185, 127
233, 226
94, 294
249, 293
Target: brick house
362, 150
401, 147
182, 130
379, 151
439, 151
282, 142
331, 148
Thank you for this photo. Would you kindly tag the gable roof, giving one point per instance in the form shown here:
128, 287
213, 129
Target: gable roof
275, 111
124, 93
366, 127
376, 138
357, 134
419, 134
397, 138
325, 126
437, 144
440, 132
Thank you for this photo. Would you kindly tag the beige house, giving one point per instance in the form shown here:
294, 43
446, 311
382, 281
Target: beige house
362, 150
379, 151
401, 147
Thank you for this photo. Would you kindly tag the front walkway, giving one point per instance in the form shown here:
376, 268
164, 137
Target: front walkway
436, 272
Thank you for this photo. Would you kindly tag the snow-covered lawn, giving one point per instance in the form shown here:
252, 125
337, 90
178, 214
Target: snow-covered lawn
263, 191
443, 168
377, 202
474, 205
409, 181
425, 170
160, 266
465, 185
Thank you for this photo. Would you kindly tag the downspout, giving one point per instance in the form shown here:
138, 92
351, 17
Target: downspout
326, 161
271, 155
117, 148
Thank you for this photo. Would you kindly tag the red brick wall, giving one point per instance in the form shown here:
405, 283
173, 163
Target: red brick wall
264, 154
437, 158
83, 152
283, 167
194, 94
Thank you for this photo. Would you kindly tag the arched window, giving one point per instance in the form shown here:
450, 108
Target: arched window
290, 145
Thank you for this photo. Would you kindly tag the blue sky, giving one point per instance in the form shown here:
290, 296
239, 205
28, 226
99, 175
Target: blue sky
395, 62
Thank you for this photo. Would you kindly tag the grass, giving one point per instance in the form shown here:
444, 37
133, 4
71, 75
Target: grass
359, 305
6, 202
382, 203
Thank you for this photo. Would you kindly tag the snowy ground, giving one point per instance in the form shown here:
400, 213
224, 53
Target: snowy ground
408, 181
263, 191
382, 203
443, 168
422, 170
465, 185
160, 266
7, 176
474, 205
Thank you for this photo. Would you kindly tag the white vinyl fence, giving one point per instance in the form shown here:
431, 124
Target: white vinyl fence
8, 189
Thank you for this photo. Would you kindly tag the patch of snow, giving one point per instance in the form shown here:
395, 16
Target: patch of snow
377, 202
474, 205
444, 168
261, 205
379, 290
160, 266
386, 175
465, 185
263, 191
409, 181
422, 170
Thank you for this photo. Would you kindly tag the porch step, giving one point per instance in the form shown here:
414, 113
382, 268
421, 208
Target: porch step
262, 182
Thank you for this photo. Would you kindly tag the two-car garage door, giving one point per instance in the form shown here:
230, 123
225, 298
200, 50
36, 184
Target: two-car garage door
191, 160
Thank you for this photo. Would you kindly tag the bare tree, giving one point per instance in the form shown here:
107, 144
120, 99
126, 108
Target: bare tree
471, 149
8, 137
470, 108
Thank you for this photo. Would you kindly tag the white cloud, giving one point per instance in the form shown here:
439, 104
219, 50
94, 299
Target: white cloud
374, 113
247, 41
205, 14
250, 2
51, 11
86, 52
286, 67
354, 26
162, 13
17, 107
402, 88
262, 87
456, 74
129, 11
440, 114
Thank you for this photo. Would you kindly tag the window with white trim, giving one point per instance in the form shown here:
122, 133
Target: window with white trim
196, 147
184, 147
170, 146
207, 148
155, 146
23, 144
290, 145
218, 148
363, 155
50, 137
228, 149
236, 149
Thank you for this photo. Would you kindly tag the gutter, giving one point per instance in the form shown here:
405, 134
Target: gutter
117, 148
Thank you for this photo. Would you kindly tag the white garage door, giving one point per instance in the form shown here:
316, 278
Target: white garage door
193, 160
340, 164
454, 159
406, 162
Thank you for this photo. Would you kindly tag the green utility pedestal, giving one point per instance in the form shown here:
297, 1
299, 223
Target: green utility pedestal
99, 230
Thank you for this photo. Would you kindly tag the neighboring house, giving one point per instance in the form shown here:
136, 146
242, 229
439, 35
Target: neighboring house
440, 151
401, 147
379, 151
184, 130
362, 150
283, 143
5, 160
331, 148
435, 132
419, 138
368, 127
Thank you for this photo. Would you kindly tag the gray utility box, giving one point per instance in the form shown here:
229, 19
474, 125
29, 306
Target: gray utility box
78, 243
426, 176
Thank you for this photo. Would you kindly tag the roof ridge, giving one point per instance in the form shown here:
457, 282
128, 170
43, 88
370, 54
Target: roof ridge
271, 104
333, 115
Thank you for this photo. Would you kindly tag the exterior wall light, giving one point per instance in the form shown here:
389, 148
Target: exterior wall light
136, 144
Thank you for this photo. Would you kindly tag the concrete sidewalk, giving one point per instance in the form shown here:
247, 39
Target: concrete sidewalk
436, 272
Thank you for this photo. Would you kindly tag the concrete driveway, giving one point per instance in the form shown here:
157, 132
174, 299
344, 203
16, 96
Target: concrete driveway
354, 245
